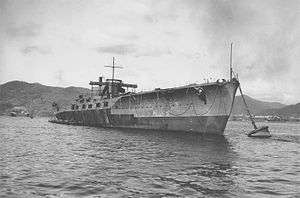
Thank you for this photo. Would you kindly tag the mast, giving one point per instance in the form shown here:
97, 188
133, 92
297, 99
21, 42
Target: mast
230, 61
113, 66
112, 86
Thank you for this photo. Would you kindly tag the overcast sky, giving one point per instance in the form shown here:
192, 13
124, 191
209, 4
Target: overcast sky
159, 43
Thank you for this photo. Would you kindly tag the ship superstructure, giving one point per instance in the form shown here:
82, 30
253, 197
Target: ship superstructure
201, 108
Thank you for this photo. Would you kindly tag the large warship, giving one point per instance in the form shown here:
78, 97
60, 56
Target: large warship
203, 108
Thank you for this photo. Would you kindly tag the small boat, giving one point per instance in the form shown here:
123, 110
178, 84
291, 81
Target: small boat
262, 132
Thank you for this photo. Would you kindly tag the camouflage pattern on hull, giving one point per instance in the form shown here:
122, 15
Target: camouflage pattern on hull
103, 118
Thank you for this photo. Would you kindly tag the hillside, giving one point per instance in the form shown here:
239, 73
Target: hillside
256, 106
36, 97
287, 111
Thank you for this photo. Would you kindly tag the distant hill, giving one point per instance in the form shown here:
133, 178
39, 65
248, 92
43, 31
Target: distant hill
287, 111
256, 106
36, 97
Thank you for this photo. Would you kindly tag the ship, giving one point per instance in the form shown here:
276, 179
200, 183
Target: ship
202, 108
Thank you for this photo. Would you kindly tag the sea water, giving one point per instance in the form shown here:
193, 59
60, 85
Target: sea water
42, 159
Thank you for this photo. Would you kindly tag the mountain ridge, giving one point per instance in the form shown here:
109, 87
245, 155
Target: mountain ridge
287, 111
36, 97
255, 106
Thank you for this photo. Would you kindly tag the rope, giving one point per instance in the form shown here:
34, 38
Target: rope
188, 107
224, 106
208, 108
192, 105
179, 114
135, 104
219, 103
247, 108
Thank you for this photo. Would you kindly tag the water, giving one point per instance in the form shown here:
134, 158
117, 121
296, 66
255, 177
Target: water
39, 159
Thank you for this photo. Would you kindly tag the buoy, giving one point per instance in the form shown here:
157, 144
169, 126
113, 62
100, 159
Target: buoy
262, 132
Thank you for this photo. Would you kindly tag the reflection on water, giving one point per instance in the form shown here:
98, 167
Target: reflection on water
40, 158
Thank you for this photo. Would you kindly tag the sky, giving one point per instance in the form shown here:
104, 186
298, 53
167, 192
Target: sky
159, 43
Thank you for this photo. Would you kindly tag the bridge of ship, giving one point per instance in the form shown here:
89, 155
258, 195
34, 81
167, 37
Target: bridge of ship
103, 94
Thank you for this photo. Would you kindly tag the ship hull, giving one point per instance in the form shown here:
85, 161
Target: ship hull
102, 118
185, 109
